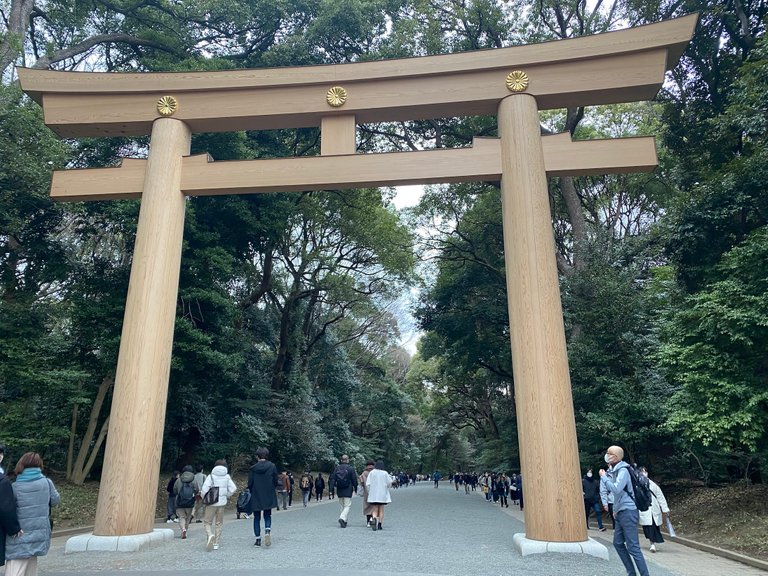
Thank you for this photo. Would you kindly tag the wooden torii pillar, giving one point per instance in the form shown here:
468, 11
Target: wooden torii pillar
513, 83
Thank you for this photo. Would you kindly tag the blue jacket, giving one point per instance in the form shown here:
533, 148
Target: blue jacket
33, 499
618, 481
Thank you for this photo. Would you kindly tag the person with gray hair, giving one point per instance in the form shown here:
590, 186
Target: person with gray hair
344, 482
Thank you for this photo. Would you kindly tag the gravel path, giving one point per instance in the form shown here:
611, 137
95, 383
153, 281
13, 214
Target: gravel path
426, 531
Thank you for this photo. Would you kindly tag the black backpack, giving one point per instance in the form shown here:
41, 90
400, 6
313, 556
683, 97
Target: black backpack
186, 496
641, 489
244, 499
341, 477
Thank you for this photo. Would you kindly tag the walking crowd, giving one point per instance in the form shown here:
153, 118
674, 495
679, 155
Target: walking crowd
192, 495
624, 492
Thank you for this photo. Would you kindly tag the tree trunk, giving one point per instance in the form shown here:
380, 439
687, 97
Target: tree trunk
12, 42
80, 469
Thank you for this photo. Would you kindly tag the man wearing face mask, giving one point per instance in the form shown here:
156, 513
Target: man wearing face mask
591, 488
625, 536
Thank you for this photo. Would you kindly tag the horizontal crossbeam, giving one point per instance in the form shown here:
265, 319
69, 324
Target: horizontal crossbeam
621, 66
482, 162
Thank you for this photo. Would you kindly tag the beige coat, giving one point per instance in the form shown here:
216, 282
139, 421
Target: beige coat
367, 508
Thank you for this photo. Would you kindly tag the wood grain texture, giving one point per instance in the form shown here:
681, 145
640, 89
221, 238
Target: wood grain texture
620, 66
126, 503
203, 177
338, 135
554, 508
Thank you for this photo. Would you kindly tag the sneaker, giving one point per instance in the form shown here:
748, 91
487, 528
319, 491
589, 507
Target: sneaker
198, 521
342, 523
258, 542
373, 524
183, 534
209, 543
653, 547
215, 546
176, 520
268, 539
169, 521
602, 529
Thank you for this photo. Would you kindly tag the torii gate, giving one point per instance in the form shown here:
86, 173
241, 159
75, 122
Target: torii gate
514, 83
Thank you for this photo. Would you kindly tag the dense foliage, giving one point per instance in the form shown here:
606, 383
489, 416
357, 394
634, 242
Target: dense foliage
287, 318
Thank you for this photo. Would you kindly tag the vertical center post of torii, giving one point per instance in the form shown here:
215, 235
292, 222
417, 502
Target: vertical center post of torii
127, 494
554, 510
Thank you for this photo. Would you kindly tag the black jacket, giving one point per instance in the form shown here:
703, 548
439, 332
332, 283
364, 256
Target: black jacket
9, 522
351, 474
591, 487
262, 482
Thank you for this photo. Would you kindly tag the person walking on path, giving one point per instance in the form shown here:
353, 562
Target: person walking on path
305, 483
519, 485
625, 538
199, 510
501, 490
185, 490
367, 506
214, 513
262, 482
35, 495
378, 483
319, 487
290, 490
591, 489
283, 486
343, 481
9, 519
606, 497
436, 477
652, 519
170, 507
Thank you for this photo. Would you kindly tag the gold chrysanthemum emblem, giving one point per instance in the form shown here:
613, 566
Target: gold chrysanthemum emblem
336, 96
167, 105
517, 81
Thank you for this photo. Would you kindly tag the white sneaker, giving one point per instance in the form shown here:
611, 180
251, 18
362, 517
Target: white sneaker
176, 520
653, 547
169, 521
215, 546
209, 543
268, 539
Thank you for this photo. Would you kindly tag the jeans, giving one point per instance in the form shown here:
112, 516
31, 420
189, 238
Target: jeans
257, 521
282, 500
588, 507
346, 504
305, 496
627, 542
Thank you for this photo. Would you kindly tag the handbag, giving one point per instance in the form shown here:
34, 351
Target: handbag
212, 496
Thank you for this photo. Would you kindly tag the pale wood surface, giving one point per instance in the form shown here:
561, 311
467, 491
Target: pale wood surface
482, 162
554, 507
126, 503
338, 135
673, 35
620, 66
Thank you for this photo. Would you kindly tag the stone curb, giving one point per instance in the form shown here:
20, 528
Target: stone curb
748, 560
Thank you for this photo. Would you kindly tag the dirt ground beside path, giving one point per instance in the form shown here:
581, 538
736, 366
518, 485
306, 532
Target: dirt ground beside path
733, 517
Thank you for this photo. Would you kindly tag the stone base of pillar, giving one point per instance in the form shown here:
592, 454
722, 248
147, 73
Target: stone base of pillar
132, 543
589, 547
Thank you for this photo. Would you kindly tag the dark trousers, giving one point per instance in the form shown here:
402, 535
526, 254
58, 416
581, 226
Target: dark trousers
588, 507
653, 533
257, 521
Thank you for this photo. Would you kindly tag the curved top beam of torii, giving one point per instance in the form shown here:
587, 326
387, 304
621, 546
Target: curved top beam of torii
621, 66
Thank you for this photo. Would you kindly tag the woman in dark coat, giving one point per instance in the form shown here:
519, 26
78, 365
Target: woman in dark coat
319, 487
9, 521
262, 483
